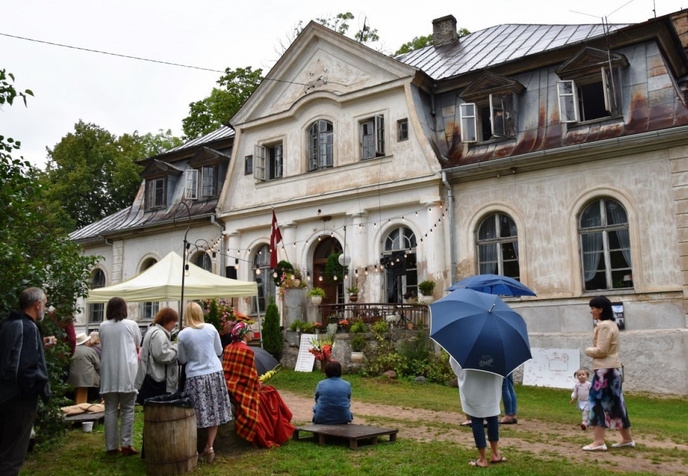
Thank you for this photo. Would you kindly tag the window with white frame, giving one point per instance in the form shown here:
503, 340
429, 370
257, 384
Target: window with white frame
149, 309
263, 278
209, 181
372, 137
268, 162
191, 191
399, 261
590, 86
320, 145
490, 119
156, 193
605, 245
96, 311
203, 261
497, 243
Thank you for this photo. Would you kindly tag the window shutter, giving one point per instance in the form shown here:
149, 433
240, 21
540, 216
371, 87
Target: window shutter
191, 184
278, 161
498, 116
259, 169
568, 101
313, 147
468, 122
367, 139
380, 135
611, 88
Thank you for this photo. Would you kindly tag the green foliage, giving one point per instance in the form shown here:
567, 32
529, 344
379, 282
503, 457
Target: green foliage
426, 287
273, 341
358, 326
359, 343
419, 42
34, 251
303, 326
283, 269
317, 292
333, 268
380, 328
8, 93
340, 24
208, 114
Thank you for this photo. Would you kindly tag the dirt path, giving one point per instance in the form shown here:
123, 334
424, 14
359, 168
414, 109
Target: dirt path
546, 440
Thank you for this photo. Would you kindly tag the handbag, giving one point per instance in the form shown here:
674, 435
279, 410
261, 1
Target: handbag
151, 387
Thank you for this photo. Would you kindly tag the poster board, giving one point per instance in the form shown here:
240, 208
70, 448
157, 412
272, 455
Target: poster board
305, 360
551, 368
618, 309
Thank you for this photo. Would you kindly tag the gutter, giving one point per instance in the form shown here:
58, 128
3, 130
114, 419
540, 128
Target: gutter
222, 244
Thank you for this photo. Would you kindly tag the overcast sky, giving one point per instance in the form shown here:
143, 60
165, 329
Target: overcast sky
125, 95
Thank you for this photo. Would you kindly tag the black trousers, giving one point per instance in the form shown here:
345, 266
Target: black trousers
17, 416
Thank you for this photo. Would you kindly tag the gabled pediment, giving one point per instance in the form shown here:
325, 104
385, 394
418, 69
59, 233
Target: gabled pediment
158, 168
206, 156
320, 62
589, 61
490, 83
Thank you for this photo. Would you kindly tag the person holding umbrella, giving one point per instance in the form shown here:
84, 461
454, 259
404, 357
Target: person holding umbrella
480, 393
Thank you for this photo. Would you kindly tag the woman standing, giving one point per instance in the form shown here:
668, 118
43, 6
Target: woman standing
158, 357
200, 349
119, 338
607, 405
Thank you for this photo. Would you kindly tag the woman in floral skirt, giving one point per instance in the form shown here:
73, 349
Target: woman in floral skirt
200, 349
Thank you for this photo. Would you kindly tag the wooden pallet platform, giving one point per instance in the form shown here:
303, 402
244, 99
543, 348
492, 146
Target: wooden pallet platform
86, 416
354, 433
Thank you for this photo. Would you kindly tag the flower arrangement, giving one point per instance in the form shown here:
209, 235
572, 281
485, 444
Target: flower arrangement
220, 314
344, 324
322, 348
317, 325
268, 375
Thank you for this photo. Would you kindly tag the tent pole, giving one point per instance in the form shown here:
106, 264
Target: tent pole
260, 324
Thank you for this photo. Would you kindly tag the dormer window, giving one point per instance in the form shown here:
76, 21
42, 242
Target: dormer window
209, 181
372, 133
191, 191
590, 86
490, 109
156, 193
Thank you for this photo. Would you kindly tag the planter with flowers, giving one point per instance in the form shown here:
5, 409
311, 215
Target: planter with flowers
321, 348
353, 293
344, 325
426, 288
316, 295
221, 315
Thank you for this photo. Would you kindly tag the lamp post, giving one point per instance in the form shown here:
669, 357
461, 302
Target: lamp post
184, 265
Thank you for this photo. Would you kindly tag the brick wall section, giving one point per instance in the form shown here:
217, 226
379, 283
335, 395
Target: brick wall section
679, 179
444, 30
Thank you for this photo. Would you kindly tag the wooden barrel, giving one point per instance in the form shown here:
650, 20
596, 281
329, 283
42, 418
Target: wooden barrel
169, 439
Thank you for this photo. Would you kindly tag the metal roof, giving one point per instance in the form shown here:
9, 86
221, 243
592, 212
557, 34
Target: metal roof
223, 132
497, 45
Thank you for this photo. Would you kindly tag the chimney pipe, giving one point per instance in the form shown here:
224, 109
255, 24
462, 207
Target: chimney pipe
444, 31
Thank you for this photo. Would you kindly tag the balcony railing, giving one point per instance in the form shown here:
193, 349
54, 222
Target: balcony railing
417, 314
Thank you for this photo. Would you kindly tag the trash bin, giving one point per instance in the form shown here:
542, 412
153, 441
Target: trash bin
169, 435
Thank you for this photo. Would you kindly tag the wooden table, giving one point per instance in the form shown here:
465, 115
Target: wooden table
354, 433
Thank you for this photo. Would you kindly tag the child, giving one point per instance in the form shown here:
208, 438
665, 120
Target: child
580, 393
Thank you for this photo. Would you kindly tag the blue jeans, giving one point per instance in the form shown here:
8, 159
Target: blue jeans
509, 395
479, 433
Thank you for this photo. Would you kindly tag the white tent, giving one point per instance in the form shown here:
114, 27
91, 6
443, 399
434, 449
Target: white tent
163, 282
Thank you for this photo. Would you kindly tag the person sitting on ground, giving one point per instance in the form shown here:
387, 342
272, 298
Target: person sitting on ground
84, 369
332, 397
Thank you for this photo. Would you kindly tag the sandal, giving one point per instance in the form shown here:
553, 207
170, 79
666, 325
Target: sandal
508, 420
208, 455
475, 464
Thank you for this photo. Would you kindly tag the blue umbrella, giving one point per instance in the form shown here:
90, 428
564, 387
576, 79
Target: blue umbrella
480, 331
493, 284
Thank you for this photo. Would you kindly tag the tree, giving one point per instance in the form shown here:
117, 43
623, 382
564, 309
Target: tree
419, 42
92, 173
35, 252
208, 114
273, 341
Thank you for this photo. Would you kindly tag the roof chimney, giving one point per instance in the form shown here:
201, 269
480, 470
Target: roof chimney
444, 30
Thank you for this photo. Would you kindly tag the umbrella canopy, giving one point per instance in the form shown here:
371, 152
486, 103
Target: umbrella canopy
480, 331
265, 362
163, 282
493, 284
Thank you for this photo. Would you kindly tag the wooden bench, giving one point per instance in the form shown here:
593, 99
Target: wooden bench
354, 433
95, 417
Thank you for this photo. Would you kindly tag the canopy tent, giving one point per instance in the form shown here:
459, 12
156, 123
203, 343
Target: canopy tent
163, 282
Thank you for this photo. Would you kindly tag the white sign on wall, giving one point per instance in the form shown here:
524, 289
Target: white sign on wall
305, 360
551, 368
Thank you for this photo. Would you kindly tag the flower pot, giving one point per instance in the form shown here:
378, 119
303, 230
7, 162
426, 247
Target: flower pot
357, 357
353, 297
316, 300
427, 299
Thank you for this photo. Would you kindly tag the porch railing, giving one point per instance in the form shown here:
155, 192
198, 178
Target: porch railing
417, 314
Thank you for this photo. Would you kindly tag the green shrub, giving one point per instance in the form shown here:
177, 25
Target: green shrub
358, 343
272, 335
380, 327
358, 326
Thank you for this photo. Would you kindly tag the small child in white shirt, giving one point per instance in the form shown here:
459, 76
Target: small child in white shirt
581, 390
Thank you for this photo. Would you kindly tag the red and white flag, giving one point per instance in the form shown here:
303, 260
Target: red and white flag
275, 237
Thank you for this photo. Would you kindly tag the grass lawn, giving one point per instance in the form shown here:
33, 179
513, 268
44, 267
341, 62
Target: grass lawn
666, 418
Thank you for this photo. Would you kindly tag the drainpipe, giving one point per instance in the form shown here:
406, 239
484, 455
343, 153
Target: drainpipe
222, 245
452, 232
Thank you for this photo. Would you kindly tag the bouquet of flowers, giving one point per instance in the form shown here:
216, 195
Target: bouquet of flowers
219, 313
322, 348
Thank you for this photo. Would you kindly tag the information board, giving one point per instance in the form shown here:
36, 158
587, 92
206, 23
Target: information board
551, 368
305, 360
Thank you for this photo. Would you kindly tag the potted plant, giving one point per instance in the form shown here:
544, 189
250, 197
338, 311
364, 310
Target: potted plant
358, 344
426, 288
316, 295
353, 293
358, 326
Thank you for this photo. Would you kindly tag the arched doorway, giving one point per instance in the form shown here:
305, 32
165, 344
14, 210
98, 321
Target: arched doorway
334, 290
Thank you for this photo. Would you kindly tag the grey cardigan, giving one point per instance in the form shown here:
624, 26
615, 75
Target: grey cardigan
158, 354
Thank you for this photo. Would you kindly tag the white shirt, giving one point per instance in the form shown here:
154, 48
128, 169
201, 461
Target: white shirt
480, 391
119, 360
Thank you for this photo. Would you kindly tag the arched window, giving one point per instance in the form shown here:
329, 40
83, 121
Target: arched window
263, 277
149, 309
202, 260
497, 241
605, 245
320, 145
399, 260
96, 311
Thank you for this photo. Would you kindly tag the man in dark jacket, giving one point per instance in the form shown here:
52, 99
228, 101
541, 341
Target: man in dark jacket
23, 377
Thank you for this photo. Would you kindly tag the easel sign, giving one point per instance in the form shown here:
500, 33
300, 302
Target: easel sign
305, 360
618, 309
551, 367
